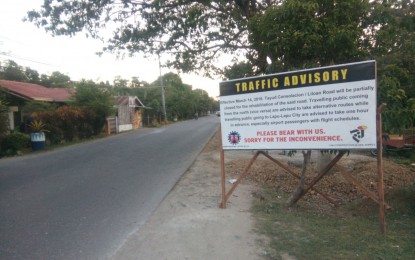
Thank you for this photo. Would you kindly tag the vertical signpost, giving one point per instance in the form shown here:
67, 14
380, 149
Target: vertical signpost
326, 108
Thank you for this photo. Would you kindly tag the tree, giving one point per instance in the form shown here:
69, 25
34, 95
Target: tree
58, 80
292, 33
32, 75
136, 83
201, 101
392, 37
92, 98
239, 70
12, 71
177, 95
400, 111
120, 82
302, 34
192, 31
44, 80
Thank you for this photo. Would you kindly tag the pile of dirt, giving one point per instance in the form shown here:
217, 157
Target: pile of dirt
361, 167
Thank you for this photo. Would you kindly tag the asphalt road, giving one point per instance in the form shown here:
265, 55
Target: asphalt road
83, 201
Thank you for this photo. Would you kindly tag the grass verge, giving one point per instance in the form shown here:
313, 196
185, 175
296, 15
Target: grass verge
350, 231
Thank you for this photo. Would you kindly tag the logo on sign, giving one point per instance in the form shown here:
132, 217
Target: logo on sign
358, 133
234, 137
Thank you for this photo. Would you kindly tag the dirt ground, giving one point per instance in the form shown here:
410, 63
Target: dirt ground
188, 224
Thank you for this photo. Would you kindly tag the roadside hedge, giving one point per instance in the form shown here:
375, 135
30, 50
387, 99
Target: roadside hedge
13, 143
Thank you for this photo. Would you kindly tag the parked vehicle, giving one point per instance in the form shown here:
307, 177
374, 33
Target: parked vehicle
396, 143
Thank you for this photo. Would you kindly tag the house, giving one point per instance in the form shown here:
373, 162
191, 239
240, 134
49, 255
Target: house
129, 113
22, 92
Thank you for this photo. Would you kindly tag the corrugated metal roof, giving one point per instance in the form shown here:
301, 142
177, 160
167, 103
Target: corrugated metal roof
121, 100
36, 92
131, 101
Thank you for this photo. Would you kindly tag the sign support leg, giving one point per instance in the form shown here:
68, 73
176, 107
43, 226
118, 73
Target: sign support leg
321, 175
222, 172
287, 169
381, 191
243, 174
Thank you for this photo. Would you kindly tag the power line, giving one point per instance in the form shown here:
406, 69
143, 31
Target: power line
9, 39
26, 59
8, 54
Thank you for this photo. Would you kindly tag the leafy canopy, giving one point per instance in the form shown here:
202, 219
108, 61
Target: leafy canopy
272, 35
193, 32
10, 70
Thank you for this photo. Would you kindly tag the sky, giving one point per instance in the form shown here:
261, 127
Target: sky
32, 47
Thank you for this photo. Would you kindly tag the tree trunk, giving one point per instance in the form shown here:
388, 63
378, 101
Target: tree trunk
323, 159
300, 188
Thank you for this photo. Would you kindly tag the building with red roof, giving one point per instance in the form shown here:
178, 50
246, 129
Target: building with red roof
35, 92
22, 92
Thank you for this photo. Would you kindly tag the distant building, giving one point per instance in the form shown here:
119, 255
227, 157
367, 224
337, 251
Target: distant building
22, 93
129, 113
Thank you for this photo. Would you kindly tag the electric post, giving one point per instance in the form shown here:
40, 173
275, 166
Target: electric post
163, 101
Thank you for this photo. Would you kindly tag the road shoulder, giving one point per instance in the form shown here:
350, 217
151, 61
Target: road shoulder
188, 224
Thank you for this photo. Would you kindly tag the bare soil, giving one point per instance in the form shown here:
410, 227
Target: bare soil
362, 167
189, 224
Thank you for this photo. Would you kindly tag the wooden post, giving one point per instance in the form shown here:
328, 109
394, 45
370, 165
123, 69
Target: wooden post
222, 171
381, 191
107, 127
243, 174
321, 175
356, 183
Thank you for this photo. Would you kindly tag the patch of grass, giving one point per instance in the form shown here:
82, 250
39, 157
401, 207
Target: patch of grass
405, 157
348, 232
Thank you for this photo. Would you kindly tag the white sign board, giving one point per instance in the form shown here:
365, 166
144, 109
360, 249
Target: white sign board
323, 108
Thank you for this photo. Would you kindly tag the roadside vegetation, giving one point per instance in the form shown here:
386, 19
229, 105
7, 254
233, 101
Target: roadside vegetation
350, 231
85, 115
262, 36
314, 228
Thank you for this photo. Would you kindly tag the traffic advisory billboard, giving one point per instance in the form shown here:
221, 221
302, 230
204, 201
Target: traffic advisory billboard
323, 108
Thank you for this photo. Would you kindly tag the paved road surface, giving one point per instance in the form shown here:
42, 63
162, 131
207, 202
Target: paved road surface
83, 201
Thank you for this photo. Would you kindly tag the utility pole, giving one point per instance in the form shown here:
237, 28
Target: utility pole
163, 101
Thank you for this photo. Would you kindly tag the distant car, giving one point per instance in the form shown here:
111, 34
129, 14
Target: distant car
218, 113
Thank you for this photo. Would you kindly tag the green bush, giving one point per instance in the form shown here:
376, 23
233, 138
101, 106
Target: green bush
4, 118
55, 133
13, 143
